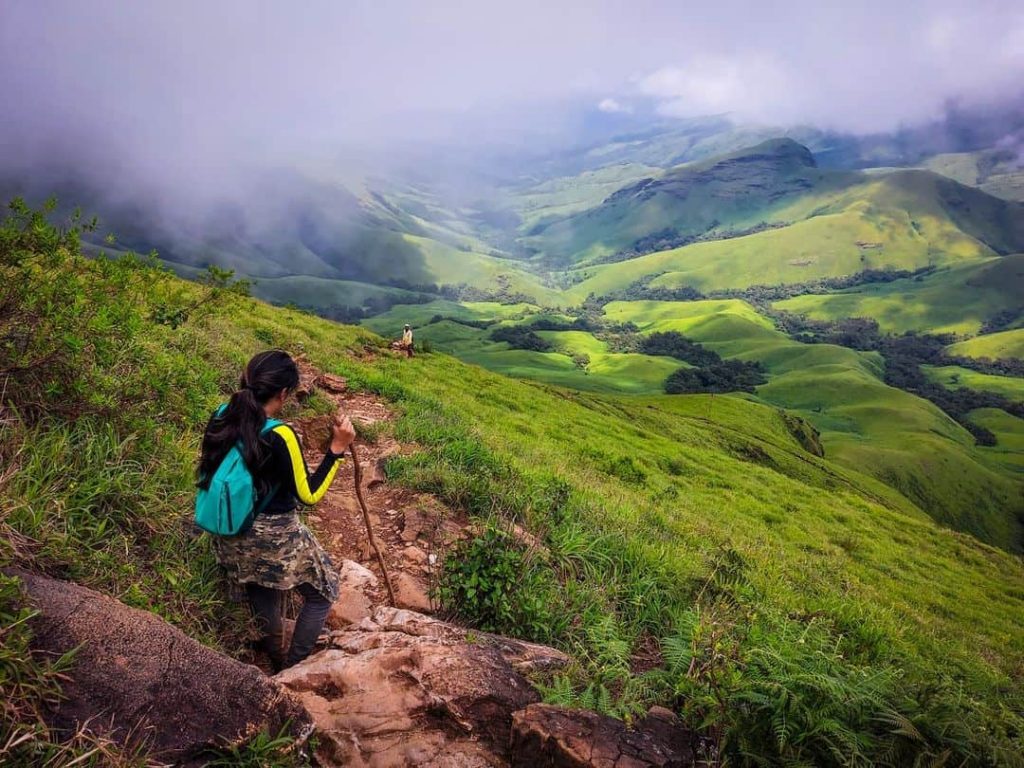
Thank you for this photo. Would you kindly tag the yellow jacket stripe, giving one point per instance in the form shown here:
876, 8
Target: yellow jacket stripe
306, 494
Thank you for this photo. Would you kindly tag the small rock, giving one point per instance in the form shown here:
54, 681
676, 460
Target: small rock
432, 558
415, 555
307, 380
379, 475
336, 384
409, 593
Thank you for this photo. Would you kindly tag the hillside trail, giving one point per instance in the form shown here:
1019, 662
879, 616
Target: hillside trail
412, 529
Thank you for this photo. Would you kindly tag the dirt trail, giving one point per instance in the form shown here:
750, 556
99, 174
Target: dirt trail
412, 529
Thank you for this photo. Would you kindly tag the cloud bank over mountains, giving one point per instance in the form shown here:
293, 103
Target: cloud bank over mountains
186, 94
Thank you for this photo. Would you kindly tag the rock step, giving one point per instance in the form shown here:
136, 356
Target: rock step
137, 677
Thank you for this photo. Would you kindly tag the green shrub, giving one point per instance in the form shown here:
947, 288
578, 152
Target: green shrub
489, 581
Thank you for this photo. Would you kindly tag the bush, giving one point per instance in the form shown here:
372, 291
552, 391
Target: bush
772, 689
489, 582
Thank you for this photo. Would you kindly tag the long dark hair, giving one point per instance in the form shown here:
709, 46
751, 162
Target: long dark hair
265, 376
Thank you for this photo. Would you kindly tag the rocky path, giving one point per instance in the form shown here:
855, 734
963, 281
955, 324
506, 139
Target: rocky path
412, 529
393, 686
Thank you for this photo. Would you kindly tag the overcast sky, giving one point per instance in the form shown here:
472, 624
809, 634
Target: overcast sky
167, 86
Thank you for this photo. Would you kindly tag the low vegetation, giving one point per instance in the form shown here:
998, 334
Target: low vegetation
690, 551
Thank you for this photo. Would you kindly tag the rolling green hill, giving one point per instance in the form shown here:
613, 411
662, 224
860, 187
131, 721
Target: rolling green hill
894, 436
996, 171
904, 214
995, 345
954, 300
698, 526
737, 190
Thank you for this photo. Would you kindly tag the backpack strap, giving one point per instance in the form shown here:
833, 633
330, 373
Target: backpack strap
265, 501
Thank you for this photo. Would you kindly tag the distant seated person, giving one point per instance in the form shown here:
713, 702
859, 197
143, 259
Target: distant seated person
406, 343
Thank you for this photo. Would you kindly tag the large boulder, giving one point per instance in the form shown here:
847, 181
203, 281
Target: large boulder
545, 736
402, 689
135, 676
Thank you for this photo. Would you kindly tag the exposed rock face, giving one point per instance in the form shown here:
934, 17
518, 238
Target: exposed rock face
405, 689
355, 595
136, 674
544, 736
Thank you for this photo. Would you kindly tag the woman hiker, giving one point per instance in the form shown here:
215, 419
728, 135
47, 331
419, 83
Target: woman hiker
278, 553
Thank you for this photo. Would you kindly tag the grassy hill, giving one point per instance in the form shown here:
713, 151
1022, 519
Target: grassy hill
894, 436
866, 425
696, 525
995, 171
957, 299
736, 190
902, 215
995, 345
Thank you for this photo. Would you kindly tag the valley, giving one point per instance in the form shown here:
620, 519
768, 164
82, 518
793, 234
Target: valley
766, 254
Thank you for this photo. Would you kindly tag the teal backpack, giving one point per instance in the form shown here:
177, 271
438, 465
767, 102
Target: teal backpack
228, 505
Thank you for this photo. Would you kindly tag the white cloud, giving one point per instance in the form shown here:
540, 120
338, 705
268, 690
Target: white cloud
612, 105
749, 87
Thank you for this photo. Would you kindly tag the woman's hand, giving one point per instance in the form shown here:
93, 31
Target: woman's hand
342, 433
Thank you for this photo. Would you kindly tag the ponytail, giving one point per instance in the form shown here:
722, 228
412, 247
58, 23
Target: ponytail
242, 420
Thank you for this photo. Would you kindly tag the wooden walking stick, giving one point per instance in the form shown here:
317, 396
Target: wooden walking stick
369, 527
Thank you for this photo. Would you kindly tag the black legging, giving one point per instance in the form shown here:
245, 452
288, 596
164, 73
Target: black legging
266, 604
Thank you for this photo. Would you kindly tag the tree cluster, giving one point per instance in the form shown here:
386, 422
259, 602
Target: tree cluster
710, 374
1002, 321
762, 295
674, 344
520, 337
723, 376
479, 324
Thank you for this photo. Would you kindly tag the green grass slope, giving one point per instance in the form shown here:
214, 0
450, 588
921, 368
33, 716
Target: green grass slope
953, 376
1004, 344
997, 172
954, 300
696, 524
553, 199
894, 436
322, 293
736, 190
878, 430
452, 266
901, 216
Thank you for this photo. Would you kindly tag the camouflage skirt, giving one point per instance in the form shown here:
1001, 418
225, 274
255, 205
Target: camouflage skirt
279, 552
